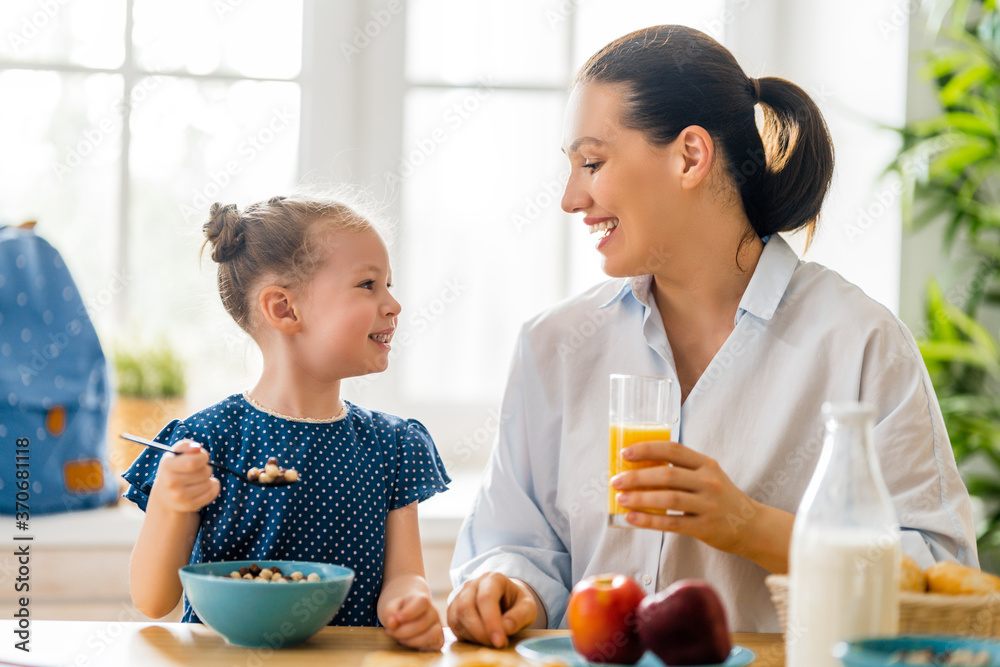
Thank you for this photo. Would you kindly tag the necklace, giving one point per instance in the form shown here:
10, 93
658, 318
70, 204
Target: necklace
308, 420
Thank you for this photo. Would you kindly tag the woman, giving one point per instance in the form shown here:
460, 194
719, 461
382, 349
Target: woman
669, 166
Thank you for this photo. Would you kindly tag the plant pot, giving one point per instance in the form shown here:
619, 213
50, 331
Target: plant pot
144, 417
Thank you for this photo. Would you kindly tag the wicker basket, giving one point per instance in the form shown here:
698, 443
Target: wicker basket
931, 613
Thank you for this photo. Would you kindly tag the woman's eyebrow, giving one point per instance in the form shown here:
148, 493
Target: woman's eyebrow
583, 140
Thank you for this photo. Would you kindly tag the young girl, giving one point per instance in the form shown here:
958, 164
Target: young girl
309, 280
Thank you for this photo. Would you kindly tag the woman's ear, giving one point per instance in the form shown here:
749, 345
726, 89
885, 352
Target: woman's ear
277, 307
697, 153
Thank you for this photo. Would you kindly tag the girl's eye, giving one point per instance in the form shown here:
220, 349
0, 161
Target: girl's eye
593, 166
368, 284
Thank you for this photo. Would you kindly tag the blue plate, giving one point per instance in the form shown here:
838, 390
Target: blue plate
878, 651
547, 649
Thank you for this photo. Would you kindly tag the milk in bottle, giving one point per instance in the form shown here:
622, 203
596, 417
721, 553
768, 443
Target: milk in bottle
845, 552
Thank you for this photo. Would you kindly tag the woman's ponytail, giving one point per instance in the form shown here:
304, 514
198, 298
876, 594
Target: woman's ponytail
788, 193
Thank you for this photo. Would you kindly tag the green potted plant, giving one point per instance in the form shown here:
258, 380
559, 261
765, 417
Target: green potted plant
150, 389
950, 166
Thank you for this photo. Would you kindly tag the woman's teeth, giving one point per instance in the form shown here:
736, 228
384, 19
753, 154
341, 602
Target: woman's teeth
604, 226
382, 338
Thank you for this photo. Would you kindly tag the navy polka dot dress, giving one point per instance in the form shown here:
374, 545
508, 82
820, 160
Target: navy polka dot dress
353, 470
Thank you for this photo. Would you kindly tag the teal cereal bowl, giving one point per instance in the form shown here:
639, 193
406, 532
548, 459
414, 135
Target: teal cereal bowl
917, 650
265, 614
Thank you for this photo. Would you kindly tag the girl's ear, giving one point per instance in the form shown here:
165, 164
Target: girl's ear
277, 307
697, 152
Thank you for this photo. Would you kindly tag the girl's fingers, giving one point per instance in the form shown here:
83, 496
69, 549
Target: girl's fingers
670, 452
412, 607
430, 639
416, 626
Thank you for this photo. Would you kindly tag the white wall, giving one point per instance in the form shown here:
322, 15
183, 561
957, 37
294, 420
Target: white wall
851, 56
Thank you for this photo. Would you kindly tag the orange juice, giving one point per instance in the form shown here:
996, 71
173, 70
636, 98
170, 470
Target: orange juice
621, 436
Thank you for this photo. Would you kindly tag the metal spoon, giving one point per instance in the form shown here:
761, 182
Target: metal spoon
252, 482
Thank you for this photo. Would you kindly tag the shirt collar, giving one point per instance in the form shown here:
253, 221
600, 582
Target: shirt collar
763, 294
637, 286
770, 279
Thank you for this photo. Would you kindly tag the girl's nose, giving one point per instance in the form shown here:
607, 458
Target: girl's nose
575, 198
392, 307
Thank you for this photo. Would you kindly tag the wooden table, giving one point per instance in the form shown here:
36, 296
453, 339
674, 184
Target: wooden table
131, 644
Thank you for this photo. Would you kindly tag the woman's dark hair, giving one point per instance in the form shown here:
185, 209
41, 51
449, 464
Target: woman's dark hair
675, 77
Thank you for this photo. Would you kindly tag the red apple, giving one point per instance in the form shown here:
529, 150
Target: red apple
601, 616
685, 624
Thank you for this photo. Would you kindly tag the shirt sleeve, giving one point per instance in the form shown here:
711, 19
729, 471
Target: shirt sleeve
917, 462
508, 529
420, 472
142, 472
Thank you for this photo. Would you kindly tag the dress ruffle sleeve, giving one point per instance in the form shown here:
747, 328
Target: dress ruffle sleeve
420, 472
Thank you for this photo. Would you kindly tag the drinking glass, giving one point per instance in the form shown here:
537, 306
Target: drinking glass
642, 409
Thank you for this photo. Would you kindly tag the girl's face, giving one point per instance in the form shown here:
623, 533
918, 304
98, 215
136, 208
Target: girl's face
348, 314
620, 182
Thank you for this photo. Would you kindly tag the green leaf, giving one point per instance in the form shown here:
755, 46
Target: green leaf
956, 159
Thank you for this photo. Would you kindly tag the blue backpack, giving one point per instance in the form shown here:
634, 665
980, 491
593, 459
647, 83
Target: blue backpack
53, 386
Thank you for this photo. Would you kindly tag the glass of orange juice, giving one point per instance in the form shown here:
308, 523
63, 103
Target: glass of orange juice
642, 408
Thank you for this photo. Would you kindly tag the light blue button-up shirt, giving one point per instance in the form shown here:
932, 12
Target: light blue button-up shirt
803, 335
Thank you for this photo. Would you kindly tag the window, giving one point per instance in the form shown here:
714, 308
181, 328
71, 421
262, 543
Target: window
482, 176
128, 119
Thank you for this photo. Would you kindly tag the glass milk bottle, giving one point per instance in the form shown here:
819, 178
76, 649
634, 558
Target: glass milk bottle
845, 554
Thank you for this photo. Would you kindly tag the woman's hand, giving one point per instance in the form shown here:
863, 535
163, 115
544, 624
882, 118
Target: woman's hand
715, 510
413, 621
490, 608
184, 481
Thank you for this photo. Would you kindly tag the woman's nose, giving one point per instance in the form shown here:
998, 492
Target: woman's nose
575, 198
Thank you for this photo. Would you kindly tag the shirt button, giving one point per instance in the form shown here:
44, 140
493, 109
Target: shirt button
646, 579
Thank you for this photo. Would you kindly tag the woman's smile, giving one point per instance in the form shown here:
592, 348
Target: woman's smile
604, 226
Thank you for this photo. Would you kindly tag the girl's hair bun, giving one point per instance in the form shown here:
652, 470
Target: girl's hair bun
224, 230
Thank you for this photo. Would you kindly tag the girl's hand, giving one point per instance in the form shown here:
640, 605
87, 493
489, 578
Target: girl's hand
184, 481
412, 621
715, 510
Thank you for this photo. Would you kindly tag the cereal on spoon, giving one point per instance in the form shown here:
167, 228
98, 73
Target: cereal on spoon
272, 473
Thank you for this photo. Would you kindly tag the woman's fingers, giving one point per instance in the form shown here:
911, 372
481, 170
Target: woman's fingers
521, 614
666, 451
658, 477
681, 501
463, 615
489, 608
492, 590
